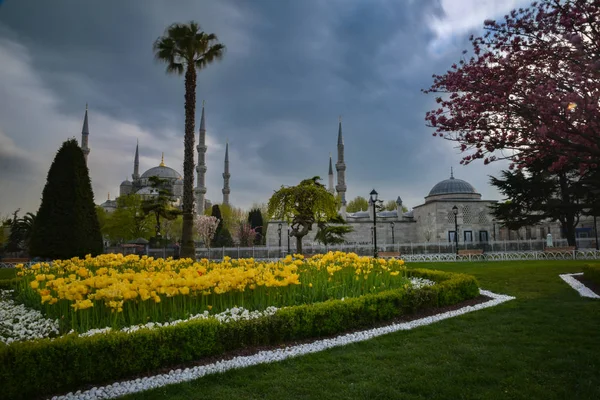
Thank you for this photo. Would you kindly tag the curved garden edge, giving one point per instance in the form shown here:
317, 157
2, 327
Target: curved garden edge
583, 290
263, 357
47, 367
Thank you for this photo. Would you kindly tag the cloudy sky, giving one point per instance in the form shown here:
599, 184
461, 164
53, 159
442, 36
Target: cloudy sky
291, 68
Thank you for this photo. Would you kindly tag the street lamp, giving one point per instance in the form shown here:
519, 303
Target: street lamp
279, 232
455, 212
373, 196
392, 225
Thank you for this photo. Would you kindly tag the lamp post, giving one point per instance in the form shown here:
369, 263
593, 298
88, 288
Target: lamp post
289, 250
279, 233
455, 212
373, 196
392, 225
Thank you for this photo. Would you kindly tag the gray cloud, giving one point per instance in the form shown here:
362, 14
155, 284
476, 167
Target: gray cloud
290, 69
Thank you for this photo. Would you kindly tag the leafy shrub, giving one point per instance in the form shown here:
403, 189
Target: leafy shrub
592, 272
36, 368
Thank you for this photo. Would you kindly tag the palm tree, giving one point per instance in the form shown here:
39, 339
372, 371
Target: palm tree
185, 48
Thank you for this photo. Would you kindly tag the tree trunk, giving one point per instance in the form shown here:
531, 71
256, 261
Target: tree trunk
298, 244
569, 214
187, 246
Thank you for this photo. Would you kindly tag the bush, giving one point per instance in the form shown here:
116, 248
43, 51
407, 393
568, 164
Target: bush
36, 368
66, 224
592, 272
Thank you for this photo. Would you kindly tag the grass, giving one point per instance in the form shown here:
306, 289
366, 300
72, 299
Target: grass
7, 273
543, 345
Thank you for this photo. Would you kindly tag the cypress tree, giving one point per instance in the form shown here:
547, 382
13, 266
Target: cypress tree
222, 236
66, 224
256, 222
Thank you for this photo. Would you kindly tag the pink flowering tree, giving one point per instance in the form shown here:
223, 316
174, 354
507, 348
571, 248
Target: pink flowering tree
245, 234
206, 225
530, 91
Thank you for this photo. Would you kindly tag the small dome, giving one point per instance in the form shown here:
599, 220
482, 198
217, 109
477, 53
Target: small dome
451, 186
126, 183
162, 171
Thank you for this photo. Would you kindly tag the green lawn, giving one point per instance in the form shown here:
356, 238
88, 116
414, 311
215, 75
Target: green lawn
543, 345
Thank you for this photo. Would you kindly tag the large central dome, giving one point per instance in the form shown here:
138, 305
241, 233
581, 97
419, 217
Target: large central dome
162, 171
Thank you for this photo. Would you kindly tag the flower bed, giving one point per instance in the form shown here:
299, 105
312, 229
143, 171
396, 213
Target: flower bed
117, 291
48, 366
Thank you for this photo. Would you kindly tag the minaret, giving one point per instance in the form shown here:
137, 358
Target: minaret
330, 188
340, 167
84, 135
200, 190
136, 163
226, 176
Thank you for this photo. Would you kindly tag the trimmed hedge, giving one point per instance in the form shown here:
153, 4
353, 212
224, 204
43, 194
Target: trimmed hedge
42, 367
592, 272
9, 283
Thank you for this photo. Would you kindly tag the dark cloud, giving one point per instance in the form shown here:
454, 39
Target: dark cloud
290, 69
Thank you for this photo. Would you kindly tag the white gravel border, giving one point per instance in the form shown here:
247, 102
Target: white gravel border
263, 357
583, 290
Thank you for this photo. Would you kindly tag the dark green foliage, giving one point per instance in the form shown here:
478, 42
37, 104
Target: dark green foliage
592, 272
535, 195
255, 219
328, 233
20, 232
66, 224
33, 369
222, 236
160, 205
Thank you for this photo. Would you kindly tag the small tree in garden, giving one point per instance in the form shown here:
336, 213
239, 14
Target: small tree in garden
245, 235
359, 203
531, 91
160, 205
333, 231
222, 237
66, 224
206, 225
302, 206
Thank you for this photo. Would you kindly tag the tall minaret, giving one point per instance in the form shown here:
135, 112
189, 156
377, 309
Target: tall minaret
340, 167
84, 135
226, 176
201, 167
136, 163
330, 187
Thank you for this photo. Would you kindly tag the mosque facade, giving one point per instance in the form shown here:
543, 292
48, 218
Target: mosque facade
140, 184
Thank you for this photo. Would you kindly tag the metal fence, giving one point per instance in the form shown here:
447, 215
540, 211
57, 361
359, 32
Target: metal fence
410, 252
407, 250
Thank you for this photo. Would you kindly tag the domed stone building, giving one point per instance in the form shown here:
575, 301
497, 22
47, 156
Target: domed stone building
142, 185
432, 221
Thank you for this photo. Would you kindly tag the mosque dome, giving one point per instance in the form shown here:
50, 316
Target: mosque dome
452, 186
162, 171
126, 183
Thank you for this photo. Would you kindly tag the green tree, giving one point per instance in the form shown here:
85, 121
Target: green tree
66, 224
160, 205
186, 49
222, 237
535, 194
255, 219
359, 203
332, 231
128, 221
20, 232
302, 206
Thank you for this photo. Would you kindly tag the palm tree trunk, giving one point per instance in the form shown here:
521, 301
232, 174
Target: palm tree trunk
187, 246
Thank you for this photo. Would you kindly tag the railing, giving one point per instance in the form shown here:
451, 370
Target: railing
410, 252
